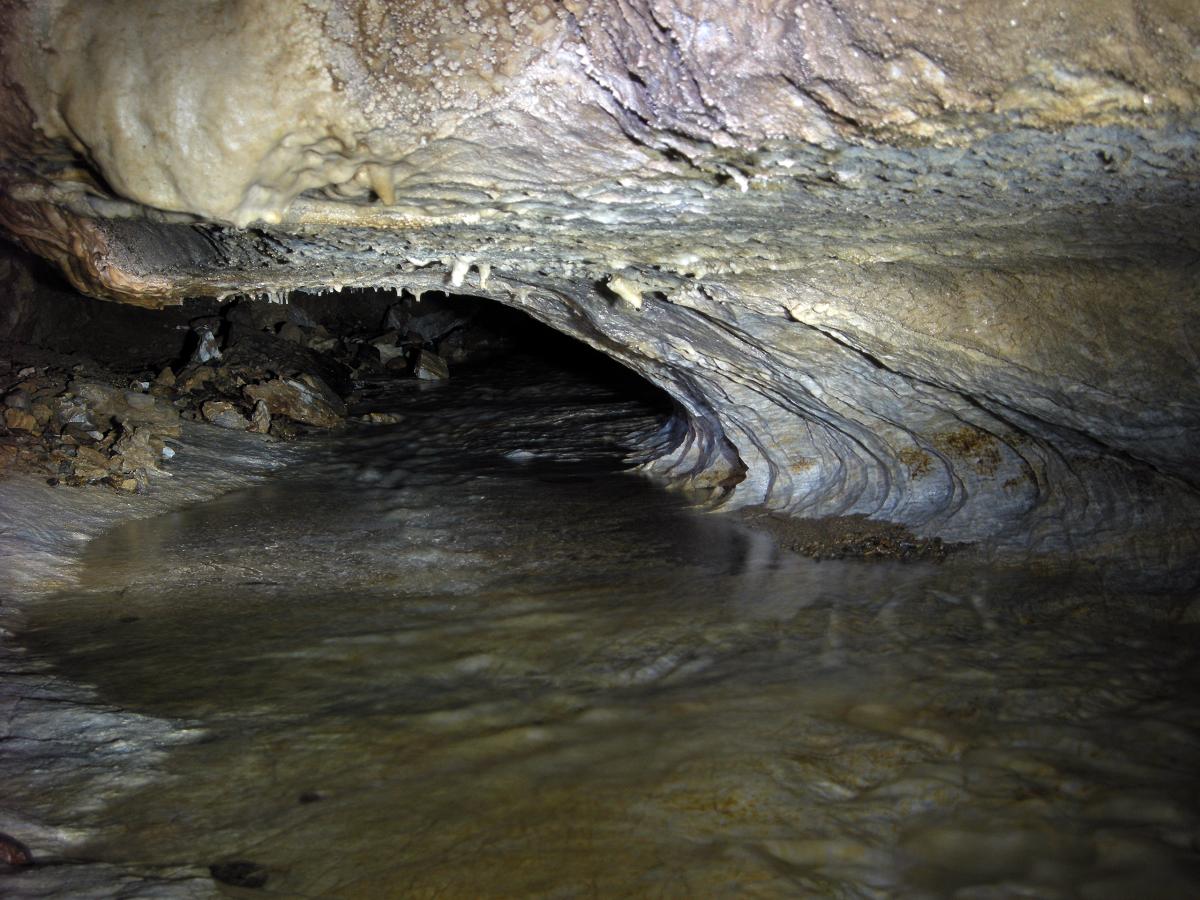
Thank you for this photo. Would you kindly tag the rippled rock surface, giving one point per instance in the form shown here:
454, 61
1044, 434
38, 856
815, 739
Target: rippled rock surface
933, 263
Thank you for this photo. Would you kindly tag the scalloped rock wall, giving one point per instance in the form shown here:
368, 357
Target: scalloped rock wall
934, 263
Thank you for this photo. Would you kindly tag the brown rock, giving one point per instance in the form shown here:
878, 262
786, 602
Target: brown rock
194, 378
20, 420
108, 403
430, 367
299, 400
224, 415
166, 377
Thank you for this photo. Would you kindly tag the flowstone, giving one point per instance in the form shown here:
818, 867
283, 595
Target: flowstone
933, 264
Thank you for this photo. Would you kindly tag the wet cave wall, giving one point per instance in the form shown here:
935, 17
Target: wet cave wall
929, 263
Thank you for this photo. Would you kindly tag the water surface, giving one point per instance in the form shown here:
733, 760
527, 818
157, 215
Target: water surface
467, 655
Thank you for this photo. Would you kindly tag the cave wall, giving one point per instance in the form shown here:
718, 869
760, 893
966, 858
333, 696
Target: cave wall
929, 262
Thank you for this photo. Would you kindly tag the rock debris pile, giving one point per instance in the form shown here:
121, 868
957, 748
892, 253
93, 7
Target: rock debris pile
245, 371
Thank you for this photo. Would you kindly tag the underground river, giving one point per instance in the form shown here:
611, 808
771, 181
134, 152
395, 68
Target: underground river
468, 655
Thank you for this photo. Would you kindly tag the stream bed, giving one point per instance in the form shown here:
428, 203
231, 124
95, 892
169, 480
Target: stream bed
468, 655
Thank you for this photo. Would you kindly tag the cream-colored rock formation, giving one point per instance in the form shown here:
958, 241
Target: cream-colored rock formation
930, 261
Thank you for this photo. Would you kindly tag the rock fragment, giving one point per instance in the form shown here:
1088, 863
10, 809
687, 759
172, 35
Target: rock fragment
207, 348
381, 418
430, 367
260, 419
306, 400
20, 420
224, 415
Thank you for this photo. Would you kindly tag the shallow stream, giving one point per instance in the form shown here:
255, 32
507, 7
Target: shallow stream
467, 655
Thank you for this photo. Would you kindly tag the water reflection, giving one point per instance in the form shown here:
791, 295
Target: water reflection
465, 656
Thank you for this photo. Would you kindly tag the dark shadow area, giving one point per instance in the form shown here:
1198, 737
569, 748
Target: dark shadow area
95, 391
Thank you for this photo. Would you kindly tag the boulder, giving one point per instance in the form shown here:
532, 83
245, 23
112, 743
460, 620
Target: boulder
306, 400
224, 415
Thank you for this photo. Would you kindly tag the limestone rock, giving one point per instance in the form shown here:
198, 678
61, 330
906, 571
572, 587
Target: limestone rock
20, 420
923, 262
430, 367
104, 403
290, 331
299, 400
224, 415
207, 348
381, 418
260, 418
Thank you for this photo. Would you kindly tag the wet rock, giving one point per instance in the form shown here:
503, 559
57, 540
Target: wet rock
239, 873
207, 348
225, 415
429, 366
20, 420
13, 852
305, 399
17, 399
108, 403
90, 465
139, 449
381, 418
260, 419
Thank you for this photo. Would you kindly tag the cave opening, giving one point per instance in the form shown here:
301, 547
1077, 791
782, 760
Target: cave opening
304, 364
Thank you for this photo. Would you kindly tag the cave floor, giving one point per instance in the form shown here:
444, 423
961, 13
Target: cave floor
467, 655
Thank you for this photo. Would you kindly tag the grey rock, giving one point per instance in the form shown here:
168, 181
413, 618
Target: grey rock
260, 418
430, 367
225, 415
932, 269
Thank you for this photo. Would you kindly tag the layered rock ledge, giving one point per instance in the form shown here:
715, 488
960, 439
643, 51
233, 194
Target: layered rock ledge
932, 263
